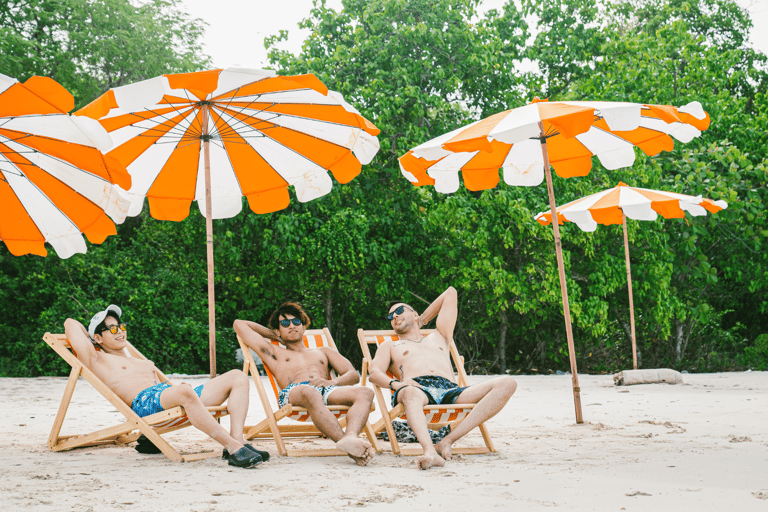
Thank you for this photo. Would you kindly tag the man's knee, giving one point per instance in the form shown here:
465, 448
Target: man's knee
410, 394
508, 384
364, 393
238, 377
186, 393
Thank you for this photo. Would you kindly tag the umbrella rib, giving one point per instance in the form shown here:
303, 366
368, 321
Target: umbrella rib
45, 196
227, 106
614, 136
305, 157
62, 161
175, 127
238, 122
193, 124
180, 146
153, 131
8, 139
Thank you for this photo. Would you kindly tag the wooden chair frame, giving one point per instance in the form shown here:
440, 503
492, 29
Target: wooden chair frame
152, 426
269, 427
437, 415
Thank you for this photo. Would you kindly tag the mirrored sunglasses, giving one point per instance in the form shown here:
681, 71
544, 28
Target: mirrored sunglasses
398, 311
114, 328
286, 322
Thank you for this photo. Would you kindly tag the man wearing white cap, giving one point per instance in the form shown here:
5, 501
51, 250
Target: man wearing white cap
137, 383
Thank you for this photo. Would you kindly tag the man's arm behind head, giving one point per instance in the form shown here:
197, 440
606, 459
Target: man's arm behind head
446, 309
80, 341
255, 337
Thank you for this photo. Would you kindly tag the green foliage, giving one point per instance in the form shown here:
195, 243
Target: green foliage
89, 46
757, 356
567, 44
419, 69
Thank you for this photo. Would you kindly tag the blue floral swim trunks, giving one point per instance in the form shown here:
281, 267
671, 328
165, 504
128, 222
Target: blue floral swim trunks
439, 390
282, 397
148, 401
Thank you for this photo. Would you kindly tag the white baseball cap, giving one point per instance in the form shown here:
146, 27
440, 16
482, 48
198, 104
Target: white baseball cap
100, 316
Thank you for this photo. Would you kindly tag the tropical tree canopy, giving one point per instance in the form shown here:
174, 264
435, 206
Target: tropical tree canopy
418, 69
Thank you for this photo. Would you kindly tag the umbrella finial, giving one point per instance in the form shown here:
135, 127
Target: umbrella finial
536, 99
622, 184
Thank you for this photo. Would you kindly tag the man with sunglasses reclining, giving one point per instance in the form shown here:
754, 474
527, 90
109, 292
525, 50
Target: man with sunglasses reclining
136, 382
425, 376
304, 375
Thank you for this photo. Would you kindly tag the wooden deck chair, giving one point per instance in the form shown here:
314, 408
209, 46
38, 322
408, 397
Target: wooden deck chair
313, 338
437, 415
152, 426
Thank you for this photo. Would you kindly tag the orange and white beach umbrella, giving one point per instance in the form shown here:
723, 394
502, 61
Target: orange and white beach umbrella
264, 133
614, 205
574, 132
55, 182
524, 142
216, 136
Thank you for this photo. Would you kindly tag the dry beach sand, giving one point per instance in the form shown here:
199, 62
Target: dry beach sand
698, 446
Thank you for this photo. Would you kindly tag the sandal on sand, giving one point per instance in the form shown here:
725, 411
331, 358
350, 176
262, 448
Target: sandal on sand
244, 458
264, 455
144, 445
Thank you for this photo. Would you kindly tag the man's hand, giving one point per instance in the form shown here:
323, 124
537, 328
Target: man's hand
405, 382
321, 382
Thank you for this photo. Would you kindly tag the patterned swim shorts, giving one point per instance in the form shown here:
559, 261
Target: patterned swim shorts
439, 390
282, 398
148, 401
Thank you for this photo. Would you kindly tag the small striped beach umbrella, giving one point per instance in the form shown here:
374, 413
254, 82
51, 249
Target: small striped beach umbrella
524, 142
55, 182
614, 205
216, 136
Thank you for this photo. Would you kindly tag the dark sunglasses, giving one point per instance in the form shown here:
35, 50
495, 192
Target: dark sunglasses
398, 311
286, 323
113, 328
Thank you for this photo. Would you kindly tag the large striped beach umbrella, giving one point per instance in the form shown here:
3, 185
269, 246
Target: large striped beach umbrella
55, 182
525, 141
614, 205
216, 136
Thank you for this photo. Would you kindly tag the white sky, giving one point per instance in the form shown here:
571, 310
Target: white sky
237, 28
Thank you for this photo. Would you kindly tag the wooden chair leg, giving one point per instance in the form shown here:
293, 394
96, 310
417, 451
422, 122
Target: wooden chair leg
487, 437
368, 429
53, 439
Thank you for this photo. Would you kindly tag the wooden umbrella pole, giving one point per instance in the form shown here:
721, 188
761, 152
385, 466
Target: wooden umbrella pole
629, 285
563, 286
209, 243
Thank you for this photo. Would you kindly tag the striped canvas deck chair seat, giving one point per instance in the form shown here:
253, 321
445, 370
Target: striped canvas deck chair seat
437, 415
152, 426
313, 338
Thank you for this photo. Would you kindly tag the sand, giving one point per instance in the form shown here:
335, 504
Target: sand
698, 446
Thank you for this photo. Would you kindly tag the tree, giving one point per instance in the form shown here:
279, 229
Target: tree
89, 46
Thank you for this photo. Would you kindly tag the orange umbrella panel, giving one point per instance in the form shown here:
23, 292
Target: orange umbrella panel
55, 183
266, 133
606, 207
575, 132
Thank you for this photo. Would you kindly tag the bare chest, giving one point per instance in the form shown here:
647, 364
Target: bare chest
115, 368
428, 356
294, 366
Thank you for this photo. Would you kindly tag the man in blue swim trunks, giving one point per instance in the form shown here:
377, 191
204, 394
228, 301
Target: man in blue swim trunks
425, 376
137, 383
304, 375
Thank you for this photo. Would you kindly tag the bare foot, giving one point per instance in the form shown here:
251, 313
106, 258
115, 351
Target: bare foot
363, 461
427, 461
444, 449
358, 449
